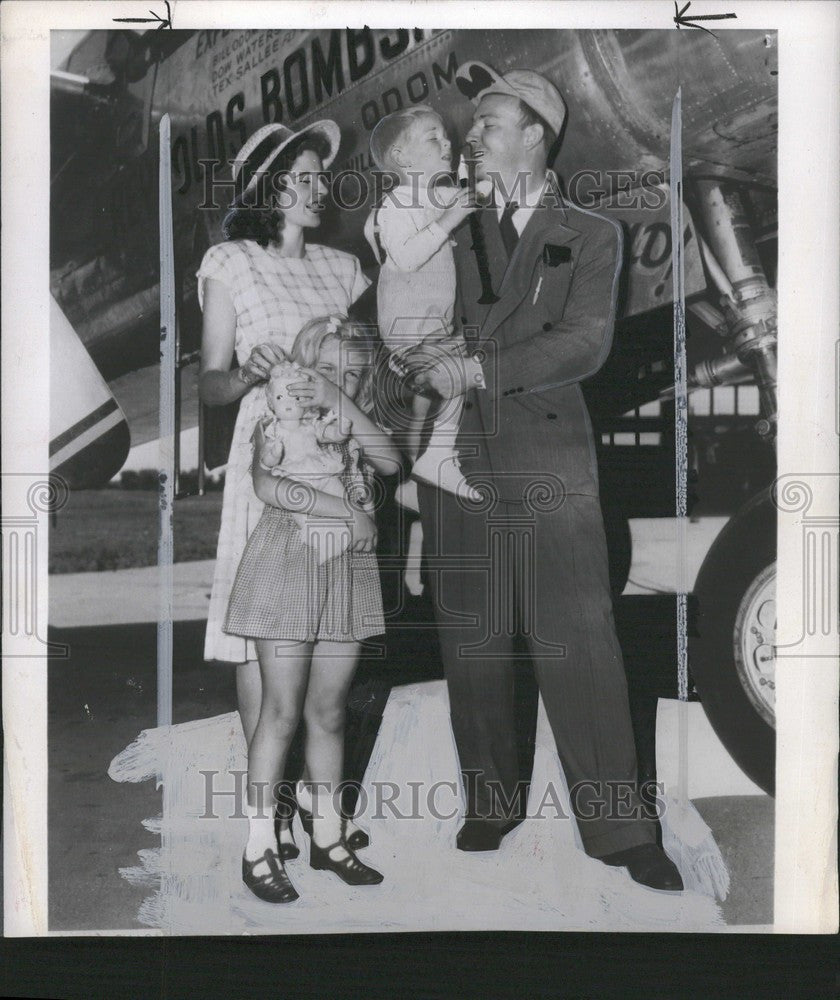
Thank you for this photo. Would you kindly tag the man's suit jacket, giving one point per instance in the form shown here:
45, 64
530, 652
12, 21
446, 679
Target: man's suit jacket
551, 329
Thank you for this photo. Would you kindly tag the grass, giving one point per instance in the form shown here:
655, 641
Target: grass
118, 529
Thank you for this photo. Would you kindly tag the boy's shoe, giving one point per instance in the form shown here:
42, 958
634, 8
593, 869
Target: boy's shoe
406, 495
443, 470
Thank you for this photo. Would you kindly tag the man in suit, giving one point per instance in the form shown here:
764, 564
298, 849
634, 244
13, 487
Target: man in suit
532, 559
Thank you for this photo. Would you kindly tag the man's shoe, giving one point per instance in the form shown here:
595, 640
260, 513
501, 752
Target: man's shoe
479, 835
648, 865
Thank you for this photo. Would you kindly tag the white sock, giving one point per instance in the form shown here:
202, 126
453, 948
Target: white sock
303, 796
260, 832
285, 834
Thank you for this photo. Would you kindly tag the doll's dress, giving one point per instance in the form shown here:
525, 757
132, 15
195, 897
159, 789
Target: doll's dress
317, 464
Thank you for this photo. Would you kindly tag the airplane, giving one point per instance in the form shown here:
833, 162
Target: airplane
110, 93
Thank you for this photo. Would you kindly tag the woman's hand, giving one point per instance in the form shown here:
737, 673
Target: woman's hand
260, 362
364, 532
316, 391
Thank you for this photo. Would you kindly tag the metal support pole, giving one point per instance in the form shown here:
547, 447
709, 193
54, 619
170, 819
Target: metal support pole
166, 444
680, 392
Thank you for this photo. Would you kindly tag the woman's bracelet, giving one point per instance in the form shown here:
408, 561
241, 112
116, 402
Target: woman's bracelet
243, 377
357, 503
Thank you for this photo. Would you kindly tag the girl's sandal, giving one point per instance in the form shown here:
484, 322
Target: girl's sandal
357, 840
273, 887
349, 869
287, 849
305, 820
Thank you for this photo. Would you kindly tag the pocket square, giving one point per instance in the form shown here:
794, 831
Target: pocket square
554, 255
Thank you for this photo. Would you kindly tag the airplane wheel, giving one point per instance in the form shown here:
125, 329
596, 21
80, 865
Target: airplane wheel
732, 650
619, 545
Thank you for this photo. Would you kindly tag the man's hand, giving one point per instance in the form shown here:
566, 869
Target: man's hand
438, 364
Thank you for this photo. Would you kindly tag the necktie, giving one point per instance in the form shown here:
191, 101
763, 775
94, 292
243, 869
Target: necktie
510, 237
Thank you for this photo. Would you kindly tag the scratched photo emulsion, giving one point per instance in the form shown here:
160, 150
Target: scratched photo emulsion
414, 392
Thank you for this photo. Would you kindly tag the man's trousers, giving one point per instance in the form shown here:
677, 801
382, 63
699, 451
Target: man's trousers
538, 568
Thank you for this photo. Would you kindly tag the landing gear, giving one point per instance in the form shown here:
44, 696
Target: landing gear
732, 648
619, 544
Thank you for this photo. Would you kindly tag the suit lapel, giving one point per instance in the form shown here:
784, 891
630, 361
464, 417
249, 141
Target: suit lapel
547, 224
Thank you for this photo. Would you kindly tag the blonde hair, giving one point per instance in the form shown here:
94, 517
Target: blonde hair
314, 334
389, 130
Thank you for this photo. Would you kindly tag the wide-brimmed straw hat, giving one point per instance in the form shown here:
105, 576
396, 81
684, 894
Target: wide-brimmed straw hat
267, 143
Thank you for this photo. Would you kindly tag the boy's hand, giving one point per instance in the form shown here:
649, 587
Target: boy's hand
461, 207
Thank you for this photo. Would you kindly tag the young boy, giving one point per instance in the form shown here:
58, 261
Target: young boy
416, 290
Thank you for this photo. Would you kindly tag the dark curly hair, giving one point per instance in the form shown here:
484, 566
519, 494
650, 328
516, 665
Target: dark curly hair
253, 218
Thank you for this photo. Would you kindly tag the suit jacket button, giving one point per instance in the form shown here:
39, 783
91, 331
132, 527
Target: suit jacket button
464, 319
551, 416
547, 326
468, 405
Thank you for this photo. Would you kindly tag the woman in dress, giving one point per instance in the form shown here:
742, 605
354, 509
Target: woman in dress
257, 289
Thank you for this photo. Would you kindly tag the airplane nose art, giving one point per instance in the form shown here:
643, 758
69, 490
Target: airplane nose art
89, 436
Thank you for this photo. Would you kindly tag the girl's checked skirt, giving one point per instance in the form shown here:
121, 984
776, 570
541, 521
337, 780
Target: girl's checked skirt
282, 592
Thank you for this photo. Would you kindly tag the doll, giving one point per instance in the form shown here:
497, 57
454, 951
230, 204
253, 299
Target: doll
301, 444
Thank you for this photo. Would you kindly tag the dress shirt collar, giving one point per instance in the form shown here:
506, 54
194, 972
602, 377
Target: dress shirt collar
522, 215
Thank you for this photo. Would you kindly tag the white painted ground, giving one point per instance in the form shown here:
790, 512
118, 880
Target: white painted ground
538, 880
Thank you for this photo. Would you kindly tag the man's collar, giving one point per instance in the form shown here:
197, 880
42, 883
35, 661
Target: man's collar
549, 195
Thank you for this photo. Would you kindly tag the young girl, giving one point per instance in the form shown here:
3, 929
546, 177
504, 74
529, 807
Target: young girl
308, 617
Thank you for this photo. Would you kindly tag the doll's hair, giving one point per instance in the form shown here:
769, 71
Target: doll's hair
314, 334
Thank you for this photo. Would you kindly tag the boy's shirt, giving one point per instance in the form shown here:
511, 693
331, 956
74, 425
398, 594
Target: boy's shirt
416, 290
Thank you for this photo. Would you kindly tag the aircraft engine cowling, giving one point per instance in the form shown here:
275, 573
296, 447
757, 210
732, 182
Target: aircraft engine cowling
89, 436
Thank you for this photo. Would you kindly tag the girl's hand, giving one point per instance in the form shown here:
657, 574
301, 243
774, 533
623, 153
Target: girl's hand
260, 362
364, 532
335, 429
316, 391
271, 454
268, 452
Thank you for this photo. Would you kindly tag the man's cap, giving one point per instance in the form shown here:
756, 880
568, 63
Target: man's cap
476, 80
